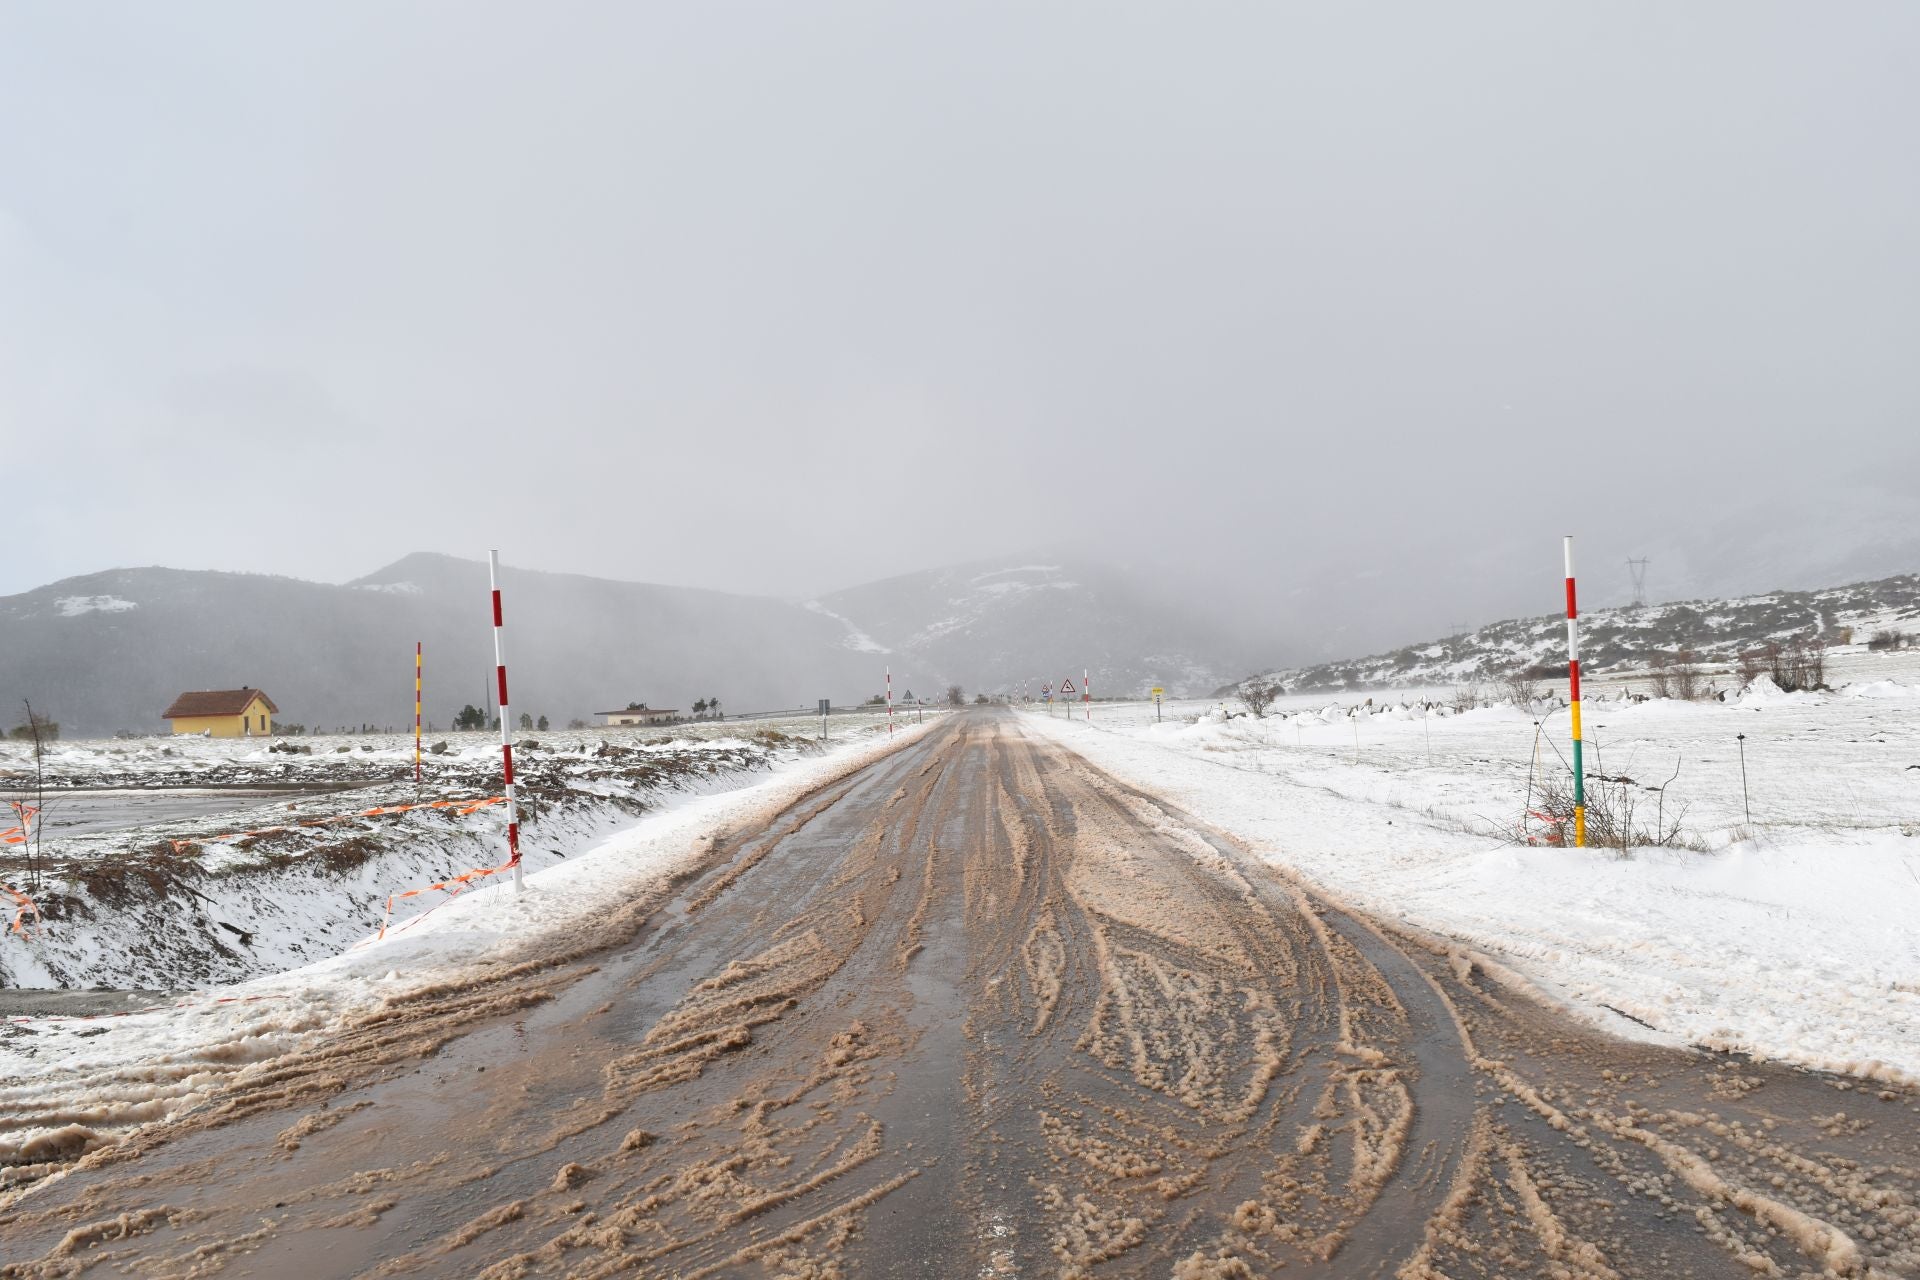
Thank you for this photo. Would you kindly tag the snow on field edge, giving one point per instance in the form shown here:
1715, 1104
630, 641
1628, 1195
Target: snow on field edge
75, 1081
1802, 951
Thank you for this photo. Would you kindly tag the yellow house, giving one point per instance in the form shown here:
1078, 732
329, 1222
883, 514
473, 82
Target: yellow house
223, 713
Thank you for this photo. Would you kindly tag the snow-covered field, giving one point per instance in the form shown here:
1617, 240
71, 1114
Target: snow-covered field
1792, 936
66, 1084
172, 863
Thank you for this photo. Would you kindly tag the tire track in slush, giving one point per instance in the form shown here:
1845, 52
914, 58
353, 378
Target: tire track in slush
979, 1009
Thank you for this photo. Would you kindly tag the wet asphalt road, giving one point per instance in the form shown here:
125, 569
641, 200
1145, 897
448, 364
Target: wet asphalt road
979, 1010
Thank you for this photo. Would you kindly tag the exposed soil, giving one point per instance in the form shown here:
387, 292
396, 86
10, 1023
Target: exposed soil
980, 1010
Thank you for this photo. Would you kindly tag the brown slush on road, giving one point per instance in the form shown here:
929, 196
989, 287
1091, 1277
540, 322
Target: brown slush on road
980, 1010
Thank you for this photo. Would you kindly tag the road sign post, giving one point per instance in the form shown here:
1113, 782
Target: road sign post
825, 709
1157, 691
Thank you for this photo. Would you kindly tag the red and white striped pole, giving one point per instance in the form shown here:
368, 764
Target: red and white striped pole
889, 699
506, 721
1086, 692
417, 650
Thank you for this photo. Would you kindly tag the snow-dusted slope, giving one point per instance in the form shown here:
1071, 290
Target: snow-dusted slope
1629, 638
994, 625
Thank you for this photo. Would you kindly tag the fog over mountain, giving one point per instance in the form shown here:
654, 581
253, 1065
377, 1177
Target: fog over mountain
1322, 322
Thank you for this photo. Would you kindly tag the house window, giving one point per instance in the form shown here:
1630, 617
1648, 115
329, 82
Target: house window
263, 723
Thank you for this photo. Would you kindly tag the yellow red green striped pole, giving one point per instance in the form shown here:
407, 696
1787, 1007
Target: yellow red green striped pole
1573, 699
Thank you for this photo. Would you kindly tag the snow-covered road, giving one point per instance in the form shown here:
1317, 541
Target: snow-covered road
1793, 937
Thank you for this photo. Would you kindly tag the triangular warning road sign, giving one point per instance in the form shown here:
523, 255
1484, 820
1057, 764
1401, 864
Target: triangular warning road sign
1066, 686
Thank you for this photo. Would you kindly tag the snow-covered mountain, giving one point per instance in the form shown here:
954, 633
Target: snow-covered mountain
998, 627
108, 651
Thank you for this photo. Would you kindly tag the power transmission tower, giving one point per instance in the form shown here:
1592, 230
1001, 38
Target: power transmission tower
1638, 568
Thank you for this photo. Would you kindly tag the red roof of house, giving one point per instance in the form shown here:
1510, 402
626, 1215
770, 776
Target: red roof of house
215, 702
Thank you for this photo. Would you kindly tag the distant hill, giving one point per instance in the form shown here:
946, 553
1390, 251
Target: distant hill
108, 651
1628, 637
995, 626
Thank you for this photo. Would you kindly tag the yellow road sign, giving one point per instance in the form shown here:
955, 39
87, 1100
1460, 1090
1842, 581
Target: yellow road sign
1157, 691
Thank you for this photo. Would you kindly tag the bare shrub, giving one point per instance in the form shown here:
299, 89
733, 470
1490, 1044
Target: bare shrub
1677, 675
1616, 814
1751, 665
1522, 685
956, 696
1800, 663
1467, 696
1888, 638
1260, 693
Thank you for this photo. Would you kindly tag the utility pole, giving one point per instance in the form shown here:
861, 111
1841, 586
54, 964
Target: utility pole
1638, 569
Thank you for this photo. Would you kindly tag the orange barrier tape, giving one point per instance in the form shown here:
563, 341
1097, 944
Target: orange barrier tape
458, 883
23, 811
461, 809
24, 905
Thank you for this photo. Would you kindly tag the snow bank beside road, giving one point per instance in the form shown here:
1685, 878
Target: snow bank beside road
68, 1085
1802, 950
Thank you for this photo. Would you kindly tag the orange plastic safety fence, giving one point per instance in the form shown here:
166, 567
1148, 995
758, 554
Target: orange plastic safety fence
451, 886
23, 904
461, 808
24, 812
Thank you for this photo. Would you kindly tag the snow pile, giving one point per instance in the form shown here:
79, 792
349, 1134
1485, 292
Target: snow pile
68, 1084
1793, 939
74, 606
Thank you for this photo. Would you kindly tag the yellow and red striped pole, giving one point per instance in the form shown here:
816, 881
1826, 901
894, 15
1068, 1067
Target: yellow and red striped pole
1573, 700
417, 649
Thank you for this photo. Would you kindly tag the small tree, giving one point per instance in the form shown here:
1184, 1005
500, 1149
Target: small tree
956, 696
699, 706
1260, 693
541, 724
576, 723
713, 707
1522, 685
526, 720
980, 700
470, 717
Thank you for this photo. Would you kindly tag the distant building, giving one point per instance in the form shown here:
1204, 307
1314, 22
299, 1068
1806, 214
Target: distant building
223, 713
639, 713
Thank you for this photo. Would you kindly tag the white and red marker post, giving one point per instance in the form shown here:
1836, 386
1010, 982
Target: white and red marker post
889, 699
506, 722
417, 650
1086, 693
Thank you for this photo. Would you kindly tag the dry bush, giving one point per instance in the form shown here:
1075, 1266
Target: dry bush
1887, 639
1616, 814
1677, 675
1467, 696
1800, 663
1522, 685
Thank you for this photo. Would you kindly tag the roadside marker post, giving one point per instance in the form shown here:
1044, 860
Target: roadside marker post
825, 708
417, 651
1573, 703
506, 722
889, 699
1086, 693
1157, 691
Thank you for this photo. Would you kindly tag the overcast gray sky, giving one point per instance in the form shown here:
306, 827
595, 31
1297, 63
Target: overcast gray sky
738, 295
